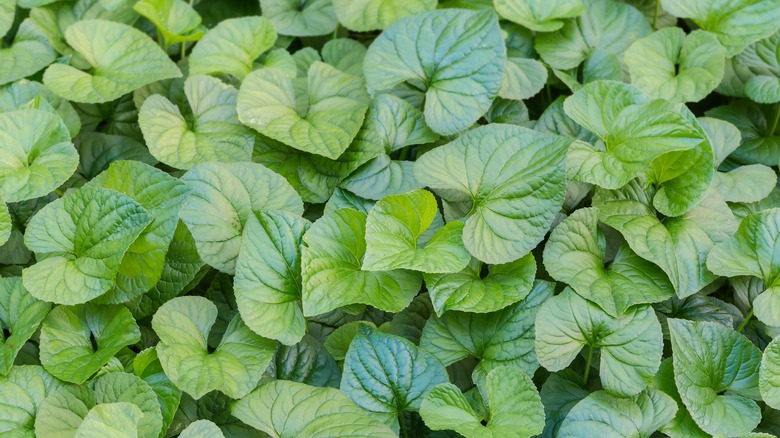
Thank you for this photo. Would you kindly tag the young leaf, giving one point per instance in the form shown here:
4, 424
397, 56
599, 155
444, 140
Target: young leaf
202, 429
367, 15
22, 94
539, 15
523, 78
20, 316
222, 198
769, 376
505, 337
464, 64
630, 345
268, 276
515, 180
176, 21
331, 265
515, 409
603, 414
575, 254
29, 53
24, 390
232, 47
36, 154
671, 65
234, 368
387, 375
284, 409
139, 62
77, 340
211, 132
80, 241
310, 18
708, 360
321, 118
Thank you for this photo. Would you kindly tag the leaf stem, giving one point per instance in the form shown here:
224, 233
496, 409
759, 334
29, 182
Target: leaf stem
587, 366
183, 50
655, 15
402, 425
745, 321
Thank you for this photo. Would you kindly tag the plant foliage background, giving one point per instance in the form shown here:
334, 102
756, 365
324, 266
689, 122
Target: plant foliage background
373, 218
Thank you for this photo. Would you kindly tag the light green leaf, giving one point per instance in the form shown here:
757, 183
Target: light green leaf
284, 409
36, 154
602, 414
708, 360
147, 366
7, 13
23, 94
77, 340
367, 15
677, 245
753, 251
760, 59
604, 28
20, 316
523, 78
760, 140
464, 58
630, 345
682, 426
234, 368
539, 15
6, 223
24, 390
671, 65
769, 376
118, 420
232, 47
268, 276
515, 409
512, 206
345, 199
337, 343
387, 375
80, 242
139, 61
175, 20
331, 265
396, 232
291, 17
736, 23
345, 54
161, 195
222, 198
97, 151
308, 362
211, 132
575, 254
29, 53
202, 429
321, 118
505, 337
560, 392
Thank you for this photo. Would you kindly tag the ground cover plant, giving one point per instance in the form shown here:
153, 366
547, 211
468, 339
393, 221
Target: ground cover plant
380, 218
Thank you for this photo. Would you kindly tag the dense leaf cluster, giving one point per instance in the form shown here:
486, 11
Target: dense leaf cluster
373, 218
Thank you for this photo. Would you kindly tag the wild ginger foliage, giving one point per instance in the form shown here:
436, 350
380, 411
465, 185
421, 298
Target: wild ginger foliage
381, 218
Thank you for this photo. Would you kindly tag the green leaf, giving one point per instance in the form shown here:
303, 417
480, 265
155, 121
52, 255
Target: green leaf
523, 78
331, 265
310, 18
682, 425
6, 223
175, 20
463, 66
708, 360
630, 345
322, 118
761, 60
232, 47
308, 362
147, 366
36, 154
234, 368
367, 15
613, 111
139, 62
748, 183
753, 251
76, 341
7, 14
396, 232
679, 245
760, 142
769, 376
539, 15
24, 390
671, 65
202, 429
161, 195
20, 316
605, 28
512, 206
80, 242
560, 393
736, 24
97, 151
387, 375
602, 414
222, 198
211, 132
505, 337
268, 276
285, 409
575, 254
29, 53
111, 419
515, 409
23, 94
